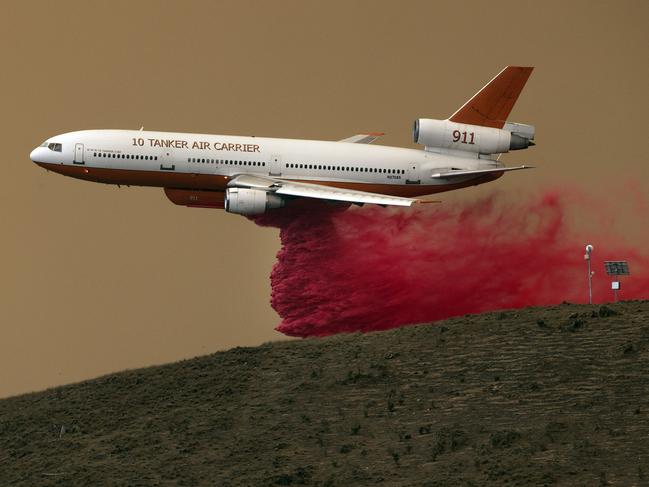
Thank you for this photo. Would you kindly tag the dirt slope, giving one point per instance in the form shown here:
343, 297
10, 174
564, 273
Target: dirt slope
556, 396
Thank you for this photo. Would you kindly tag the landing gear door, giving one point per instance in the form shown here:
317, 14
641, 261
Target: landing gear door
275, 168
412, 174
78, 154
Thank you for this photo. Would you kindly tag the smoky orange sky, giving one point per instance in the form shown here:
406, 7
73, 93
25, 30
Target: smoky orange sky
97, 279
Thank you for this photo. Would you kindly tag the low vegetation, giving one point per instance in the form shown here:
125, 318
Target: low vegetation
541, 396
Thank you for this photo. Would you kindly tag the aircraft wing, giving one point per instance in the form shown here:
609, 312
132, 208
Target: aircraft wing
318, 191
460, 172
363, 138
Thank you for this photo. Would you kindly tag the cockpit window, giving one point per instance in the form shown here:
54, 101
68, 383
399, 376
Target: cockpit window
55, 147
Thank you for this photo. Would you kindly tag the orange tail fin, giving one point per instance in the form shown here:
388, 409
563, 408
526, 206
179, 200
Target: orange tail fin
491, 106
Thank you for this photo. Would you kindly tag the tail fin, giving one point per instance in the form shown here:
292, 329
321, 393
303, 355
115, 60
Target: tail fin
491, 106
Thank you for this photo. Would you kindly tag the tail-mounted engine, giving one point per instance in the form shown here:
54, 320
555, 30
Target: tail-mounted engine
244, 201
444, 134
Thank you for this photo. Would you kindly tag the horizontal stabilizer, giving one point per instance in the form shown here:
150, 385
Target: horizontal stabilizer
458, 173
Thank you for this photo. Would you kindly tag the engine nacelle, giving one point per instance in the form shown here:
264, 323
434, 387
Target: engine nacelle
444, 134
243, 201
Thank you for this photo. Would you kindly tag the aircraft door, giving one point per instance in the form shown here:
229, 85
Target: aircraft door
412, 174
78, 154
275, 168
168, 162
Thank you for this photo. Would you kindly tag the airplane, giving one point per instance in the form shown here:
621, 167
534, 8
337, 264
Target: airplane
250, 175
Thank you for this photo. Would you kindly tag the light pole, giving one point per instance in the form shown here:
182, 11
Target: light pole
589, 250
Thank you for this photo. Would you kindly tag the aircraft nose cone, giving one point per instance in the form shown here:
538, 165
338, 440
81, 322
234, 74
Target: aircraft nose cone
38, 157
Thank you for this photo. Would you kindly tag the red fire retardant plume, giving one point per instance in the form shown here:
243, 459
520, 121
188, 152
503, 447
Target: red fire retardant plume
375, 268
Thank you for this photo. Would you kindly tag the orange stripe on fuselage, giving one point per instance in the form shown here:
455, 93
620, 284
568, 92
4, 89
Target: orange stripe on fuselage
214, 182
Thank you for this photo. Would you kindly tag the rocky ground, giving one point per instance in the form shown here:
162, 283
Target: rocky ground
541, 396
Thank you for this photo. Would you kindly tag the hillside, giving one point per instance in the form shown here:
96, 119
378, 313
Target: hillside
552, 396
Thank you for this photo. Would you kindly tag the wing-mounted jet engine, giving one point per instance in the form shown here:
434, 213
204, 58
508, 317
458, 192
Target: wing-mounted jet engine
245, 201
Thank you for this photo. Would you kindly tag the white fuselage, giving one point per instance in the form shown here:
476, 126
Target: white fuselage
208, 162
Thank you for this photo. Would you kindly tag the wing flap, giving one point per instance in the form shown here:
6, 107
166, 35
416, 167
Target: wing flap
309, 190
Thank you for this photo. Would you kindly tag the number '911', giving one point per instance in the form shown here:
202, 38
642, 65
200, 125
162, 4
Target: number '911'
462, 137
